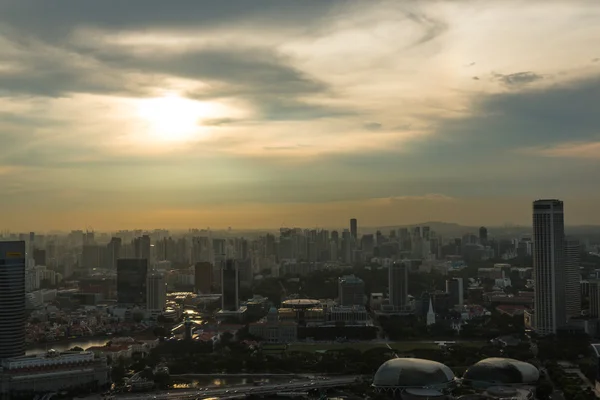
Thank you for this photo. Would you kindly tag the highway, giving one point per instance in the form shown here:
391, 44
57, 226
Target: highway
240, 391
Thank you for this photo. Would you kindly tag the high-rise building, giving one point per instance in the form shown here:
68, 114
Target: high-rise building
113, 250
483, 235
455, 288
549, 266
132, 276
142, 246
156, 292
398, 285
12, 299
203, 277
354, 228
573, 278
230, 286
351, 291
594, 311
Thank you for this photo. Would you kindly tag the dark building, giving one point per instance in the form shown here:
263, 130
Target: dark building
113, 252
12, 299
131, 281
455, 289
39, 256
203, 277
230, 286
142, 247
483, 235
573, 278
354, 228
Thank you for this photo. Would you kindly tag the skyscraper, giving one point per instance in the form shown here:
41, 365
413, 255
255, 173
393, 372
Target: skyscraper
131, 281
483, 235
455, 288
398, 285
12, 299
354, 228
549, 266
230, 286
142, 246
203, 277
156, 292
351, 291
573, 278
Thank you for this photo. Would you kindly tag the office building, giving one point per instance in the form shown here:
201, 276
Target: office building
455, 289
594, 288
573, 278
142, 246
113, 252
12, 299
549, 266
132, 276
156, 292
351, 291
398, 285
203, 277
354, 228
483, 235
230, 286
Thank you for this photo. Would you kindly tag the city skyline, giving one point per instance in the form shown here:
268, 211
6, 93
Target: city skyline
264, 114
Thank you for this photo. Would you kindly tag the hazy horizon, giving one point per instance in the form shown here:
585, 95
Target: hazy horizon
298, 113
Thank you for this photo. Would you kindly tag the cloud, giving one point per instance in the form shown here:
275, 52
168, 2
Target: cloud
518, 78
580, 150
219, 121
432, 27
372, 126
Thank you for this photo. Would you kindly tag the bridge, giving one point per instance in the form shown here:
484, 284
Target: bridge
233, 392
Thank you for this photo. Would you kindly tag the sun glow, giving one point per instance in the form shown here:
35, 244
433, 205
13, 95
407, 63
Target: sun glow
173, 118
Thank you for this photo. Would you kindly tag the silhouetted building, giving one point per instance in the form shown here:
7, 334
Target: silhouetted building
573, 278
354, 228
230, 287
113, 252
132, 274
156, 292
549, 266
455, 289
203, 277
39, 256
398, 285
483, 235
12, 299
142, 246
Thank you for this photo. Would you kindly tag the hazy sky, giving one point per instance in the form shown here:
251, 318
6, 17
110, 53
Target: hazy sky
190, 113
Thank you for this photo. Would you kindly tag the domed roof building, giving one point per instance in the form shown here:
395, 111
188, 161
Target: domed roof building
501, 372
401, 373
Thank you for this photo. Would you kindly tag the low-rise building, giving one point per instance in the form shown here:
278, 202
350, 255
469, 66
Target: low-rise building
272, 330
51, 372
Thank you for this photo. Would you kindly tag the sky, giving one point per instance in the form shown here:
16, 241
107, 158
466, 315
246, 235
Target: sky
269, 113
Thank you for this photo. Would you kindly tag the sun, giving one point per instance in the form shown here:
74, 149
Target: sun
173, 118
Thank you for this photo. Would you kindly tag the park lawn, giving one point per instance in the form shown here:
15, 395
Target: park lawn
401, 347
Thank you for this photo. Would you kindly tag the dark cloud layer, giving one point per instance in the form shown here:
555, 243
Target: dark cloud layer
518, 78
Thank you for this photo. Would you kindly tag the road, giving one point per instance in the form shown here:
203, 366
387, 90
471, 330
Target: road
235, 391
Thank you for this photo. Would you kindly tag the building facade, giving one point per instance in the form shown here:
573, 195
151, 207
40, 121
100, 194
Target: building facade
156, 292
549, 266
573, 278
12, 299
132, 274
203, 277
230, 286
398, 285
351, 291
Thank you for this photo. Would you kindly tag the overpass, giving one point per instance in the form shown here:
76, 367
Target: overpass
242, 391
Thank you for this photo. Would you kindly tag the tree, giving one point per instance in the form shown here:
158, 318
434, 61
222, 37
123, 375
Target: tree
544, 390
138, 316
76, 348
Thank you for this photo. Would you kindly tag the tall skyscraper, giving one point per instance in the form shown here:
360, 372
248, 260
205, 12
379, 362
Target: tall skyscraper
354, 228
12, 299
113, 250
594, 298
203, 277
573, 278
142, 246
230, 286
549, 266
156, 292
483, 235
398, 285
132, 274
351, 291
